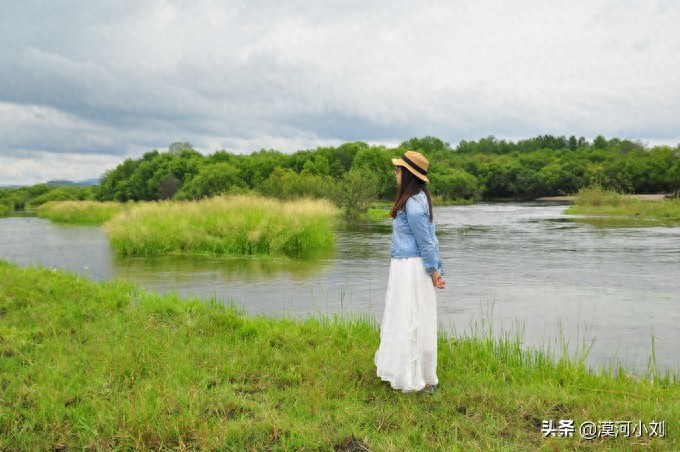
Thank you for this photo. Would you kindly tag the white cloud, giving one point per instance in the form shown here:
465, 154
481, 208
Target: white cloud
39, 167
125, 77
48, 129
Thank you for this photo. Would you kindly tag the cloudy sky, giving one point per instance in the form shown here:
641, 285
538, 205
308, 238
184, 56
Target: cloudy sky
86, 84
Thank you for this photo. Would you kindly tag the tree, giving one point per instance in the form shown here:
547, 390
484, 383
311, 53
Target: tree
286, 184
455, 184
316, 166
600, 142
376, 159
256, 167
168, 187
573, 143
499, 176
426, 145
113, 185
357, 191
178, 146
341, 159
487, 145
211, 180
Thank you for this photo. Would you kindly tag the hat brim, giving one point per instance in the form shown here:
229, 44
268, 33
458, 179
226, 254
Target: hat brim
400, 162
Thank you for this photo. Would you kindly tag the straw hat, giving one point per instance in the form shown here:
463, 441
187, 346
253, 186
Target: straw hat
414, 162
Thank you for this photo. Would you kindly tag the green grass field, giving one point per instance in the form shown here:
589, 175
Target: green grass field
611, 209
110, 366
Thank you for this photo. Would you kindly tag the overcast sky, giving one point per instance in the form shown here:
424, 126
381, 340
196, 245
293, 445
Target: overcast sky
86, 84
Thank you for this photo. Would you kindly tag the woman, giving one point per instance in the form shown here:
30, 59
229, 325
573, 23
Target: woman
407, 356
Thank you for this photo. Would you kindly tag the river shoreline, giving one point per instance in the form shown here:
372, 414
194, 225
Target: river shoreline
508, 263
643, 197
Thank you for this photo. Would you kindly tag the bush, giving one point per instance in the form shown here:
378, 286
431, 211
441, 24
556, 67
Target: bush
286, 184
211, 180
598, 196
357, 192
62, 194
455, 184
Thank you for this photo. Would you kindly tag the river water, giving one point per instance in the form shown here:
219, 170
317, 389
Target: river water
516, 268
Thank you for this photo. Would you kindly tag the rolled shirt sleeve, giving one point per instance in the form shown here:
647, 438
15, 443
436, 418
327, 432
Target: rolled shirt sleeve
418, 217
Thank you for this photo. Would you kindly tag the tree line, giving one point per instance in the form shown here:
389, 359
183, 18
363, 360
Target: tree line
355, 174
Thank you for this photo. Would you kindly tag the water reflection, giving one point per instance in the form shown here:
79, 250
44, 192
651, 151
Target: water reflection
195, 270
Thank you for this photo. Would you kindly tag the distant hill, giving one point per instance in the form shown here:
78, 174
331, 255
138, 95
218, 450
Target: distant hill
61, 183
82, 183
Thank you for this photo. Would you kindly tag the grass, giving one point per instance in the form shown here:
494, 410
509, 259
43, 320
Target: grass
609, 208
237, 225
381, 210
110, 366
596, 196
440, 201
80, 212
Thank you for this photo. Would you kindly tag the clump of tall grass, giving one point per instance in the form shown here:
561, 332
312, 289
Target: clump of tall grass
235, 225
595, 195
80, 212
624, 210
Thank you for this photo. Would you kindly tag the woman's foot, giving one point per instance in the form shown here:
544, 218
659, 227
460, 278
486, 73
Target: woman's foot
429, 389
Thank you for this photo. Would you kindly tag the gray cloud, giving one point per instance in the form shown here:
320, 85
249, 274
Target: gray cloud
119, 78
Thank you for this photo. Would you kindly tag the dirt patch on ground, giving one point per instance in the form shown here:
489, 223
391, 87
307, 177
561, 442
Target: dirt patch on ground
352, 444
658, 197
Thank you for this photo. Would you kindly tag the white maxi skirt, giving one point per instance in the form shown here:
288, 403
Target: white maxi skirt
407, 356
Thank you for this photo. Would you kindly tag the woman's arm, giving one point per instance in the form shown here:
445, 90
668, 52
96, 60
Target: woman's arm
419, 220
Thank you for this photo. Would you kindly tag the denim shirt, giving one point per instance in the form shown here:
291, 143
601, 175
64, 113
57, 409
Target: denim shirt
413, 234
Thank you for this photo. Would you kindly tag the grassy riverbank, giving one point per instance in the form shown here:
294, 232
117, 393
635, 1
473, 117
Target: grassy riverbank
381, 210
108, 365
613, 208
81, 212
235, 225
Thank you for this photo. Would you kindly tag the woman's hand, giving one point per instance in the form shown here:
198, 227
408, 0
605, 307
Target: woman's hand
437, 280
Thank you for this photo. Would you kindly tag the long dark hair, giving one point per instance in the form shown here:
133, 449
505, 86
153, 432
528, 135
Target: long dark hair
410, 185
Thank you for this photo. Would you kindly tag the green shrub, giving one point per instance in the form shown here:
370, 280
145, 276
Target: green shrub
62, 194
598, 196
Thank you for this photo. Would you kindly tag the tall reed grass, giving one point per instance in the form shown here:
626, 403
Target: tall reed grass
235, 225
624, 210
596, 195
80, 212
107, 365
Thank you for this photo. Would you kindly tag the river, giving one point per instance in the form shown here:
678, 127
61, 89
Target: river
516, 267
